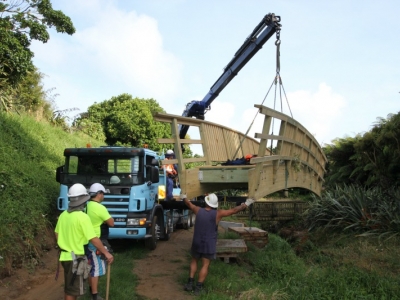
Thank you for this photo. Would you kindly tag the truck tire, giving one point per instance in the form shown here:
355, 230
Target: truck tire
190, 219
151, 243
186, 225
167, 229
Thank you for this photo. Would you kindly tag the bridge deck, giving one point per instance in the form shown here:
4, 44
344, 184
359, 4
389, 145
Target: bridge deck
296, 161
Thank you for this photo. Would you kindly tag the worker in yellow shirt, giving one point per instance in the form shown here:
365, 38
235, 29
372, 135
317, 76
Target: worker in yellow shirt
99, 216
73, 232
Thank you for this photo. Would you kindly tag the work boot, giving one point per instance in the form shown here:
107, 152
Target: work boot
188, 286
97, 297
198, 290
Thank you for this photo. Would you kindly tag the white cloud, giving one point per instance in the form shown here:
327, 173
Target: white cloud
128, 48
318, 111
119, 52
221, 113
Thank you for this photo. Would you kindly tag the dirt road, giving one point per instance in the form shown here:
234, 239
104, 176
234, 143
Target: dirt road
157, 274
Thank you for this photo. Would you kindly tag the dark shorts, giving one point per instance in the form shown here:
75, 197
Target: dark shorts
78, 288
198, 255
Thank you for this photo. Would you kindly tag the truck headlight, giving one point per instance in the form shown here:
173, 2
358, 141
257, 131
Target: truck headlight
136, 221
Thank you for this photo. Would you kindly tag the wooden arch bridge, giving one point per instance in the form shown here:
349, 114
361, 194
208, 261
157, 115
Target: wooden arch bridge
296, 161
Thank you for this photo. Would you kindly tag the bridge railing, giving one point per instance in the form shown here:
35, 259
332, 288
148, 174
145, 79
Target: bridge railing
295, 160
219, 143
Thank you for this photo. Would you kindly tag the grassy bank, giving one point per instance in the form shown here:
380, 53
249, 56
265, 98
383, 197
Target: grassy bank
344, 267
30, 151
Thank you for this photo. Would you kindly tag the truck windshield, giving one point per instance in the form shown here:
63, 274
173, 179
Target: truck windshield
103, 169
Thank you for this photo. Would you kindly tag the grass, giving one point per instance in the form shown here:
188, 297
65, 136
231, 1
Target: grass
30, 151
276, 272
122, 279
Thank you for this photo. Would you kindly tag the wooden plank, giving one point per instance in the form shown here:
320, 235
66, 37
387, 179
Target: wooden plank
231, 246
225, 175
204, 137
256, 236
182, 141
184, 160
249, 231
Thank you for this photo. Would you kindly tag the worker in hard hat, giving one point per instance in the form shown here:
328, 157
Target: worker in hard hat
115, 179
101, 221
204, 243
171, 173
73, 231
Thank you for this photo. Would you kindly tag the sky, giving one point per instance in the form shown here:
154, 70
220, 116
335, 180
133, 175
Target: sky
339, 60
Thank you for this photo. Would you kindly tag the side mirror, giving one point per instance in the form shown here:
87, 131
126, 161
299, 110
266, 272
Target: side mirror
59, 170
154, 175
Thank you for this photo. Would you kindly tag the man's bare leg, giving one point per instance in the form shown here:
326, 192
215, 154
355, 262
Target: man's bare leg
204, 269
94, 282
193, 267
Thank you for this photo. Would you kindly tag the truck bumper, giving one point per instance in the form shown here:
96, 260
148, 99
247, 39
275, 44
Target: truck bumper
127, 233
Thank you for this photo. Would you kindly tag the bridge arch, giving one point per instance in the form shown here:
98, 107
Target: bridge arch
296, 161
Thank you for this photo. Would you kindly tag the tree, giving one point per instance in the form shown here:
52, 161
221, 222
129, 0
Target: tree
22, 21
125, 121
380, 152
371, 159
342, 161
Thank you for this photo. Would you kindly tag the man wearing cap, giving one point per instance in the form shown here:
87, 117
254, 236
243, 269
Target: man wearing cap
100, 218
204, 244
73, 231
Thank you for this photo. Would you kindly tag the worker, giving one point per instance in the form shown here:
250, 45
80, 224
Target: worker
115, 179
101, 221
204, 243
73, 232
171, 173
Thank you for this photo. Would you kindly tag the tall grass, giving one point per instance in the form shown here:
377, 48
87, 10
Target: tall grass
356, 209
275, 272
30, 151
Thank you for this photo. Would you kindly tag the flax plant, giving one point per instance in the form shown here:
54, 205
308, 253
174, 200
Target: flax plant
356, 209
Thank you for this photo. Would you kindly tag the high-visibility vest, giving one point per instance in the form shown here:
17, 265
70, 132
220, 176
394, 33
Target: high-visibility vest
170, 169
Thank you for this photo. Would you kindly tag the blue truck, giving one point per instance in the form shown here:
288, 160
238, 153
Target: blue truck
135, 183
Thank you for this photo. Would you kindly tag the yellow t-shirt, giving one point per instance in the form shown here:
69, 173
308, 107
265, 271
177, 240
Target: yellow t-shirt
98, 213
74, 231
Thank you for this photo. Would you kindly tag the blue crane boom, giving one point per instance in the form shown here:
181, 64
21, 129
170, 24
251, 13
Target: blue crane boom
254, 42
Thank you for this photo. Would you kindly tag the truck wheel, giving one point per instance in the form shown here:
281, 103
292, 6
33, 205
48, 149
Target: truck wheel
190, 219
186, 224
167, 229
151, 243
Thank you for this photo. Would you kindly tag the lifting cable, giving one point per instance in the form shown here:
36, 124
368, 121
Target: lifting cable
277, 80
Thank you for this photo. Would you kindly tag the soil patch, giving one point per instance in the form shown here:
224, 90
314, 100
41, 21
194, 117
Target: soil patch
158, 272
39, 284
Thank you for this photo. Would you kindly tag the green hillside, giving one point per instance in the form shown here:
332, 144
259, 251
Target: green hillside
30, 153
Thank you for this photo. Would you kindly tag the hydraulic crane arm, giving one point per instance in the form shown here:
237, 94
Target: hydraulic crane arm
261, 33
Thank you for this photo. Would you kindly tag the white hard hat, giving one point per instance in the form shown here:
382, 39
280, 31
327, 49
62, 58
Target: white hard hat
212, 200
169, 152
77, 195
115, 179
95, 188
77, 190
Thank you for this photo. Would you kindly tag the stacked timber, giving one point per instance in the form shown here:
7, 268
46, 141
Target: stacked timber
256, 236
227, 248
